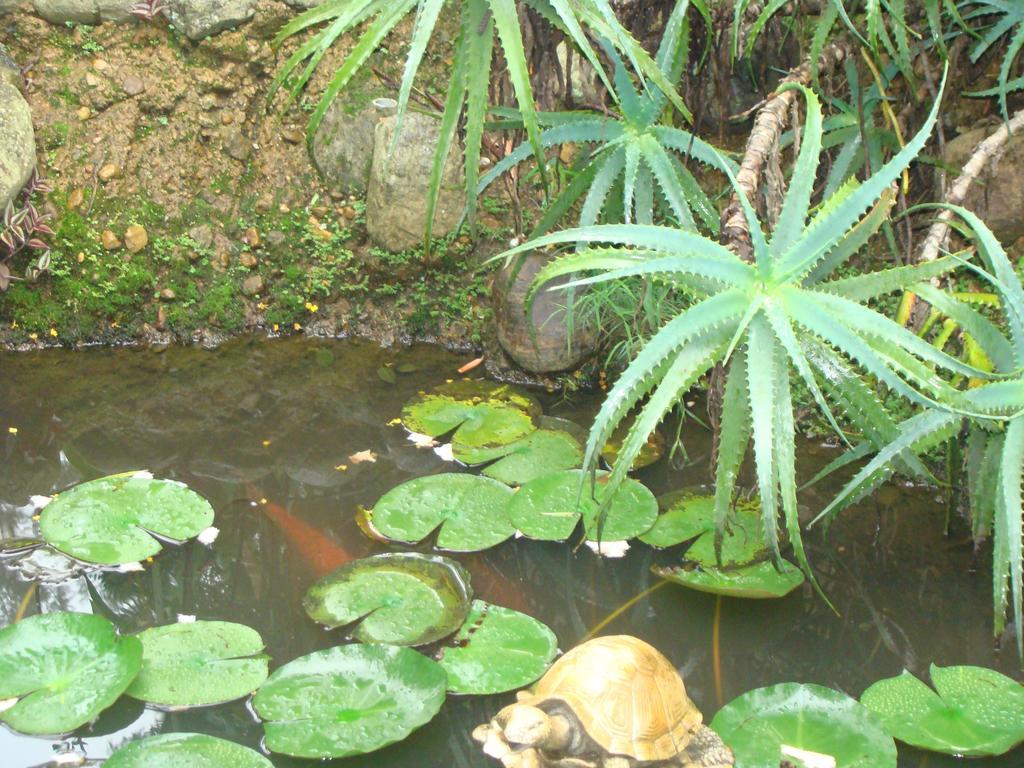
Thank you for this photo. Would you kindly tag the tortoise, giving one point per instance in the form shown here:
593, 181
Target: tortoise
612, 702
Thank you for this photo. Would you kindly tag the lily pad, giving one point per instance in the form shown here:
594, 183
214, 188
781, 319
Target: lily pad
199, 663
483, 416
651, 452
470, 512
349, 700
397, 598
63, 669
547, 508
758, 724
758, 581
689, 515
185, 750
972, 712
114, 520
497, 650
539, 453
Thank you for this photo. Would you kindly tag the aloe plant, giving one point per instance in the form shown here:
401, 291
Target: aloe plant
631, 151
1007, 20
481, 21
995, 432
780, 314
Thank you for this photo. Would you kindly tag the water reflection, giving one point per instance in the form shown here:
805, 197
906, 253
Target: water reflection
265, 430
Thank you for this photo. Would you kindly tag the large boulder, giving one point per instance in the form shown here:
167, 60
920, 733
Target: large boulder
545, 341
396, 200
6, 6
343, 147
17, 143
83, 11
199, 19
10, 72
997, 195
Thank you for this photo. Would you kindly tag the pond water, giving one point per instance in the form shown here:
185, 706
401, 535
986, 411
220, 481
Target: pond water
263, 428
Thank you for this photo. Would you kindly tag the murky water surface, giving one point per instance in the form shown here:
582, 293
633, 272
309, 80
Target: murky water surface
262, 430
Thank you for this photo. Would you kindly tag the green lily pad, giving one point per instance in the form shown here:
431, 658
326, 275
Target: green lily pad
539, 453
651, 452
483, 416
547, 509
758, 725
397, 598
113, 520
469, 510
758, 581
497, 650
349, 700
63, 669
185, 750
972, 712
688, 515
199, 663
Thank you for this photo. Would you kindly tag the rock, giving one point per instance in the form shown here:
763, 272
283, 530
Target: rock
133, 85
252, 285
236, 145
83, 113
75, 198
276, 237
396, 199
997, 195
84, 11
251, 237
202, 235
247, 260
342, 148
109, 240
199, 19
136, 238
93, 80
109, 172
292, 135
6, 6
17, 143
546, 347
168, 294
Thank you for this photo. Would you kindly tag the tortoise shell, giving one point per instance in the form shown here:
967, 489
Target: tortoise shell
627, 696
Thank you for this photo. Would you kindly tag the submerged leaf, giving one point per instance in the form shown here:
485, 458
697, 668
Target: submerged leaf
972, 711
470, 512
64, 669
483, 416
398, 598
759, 581
115, 519
348, 700
758, 724
199, 663
185, 750
497, 650
550, 507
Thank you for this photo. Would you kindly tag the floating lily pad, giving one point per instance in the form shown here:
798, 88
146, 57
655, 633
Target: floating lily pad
808, 717
63, 669
972, 712
547, 508
185, 750
483, 416
113, 520
469, 510
349, 700
539, 453
651, 452
199, 663
758, 581
497, 650
688, 515
397, 598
